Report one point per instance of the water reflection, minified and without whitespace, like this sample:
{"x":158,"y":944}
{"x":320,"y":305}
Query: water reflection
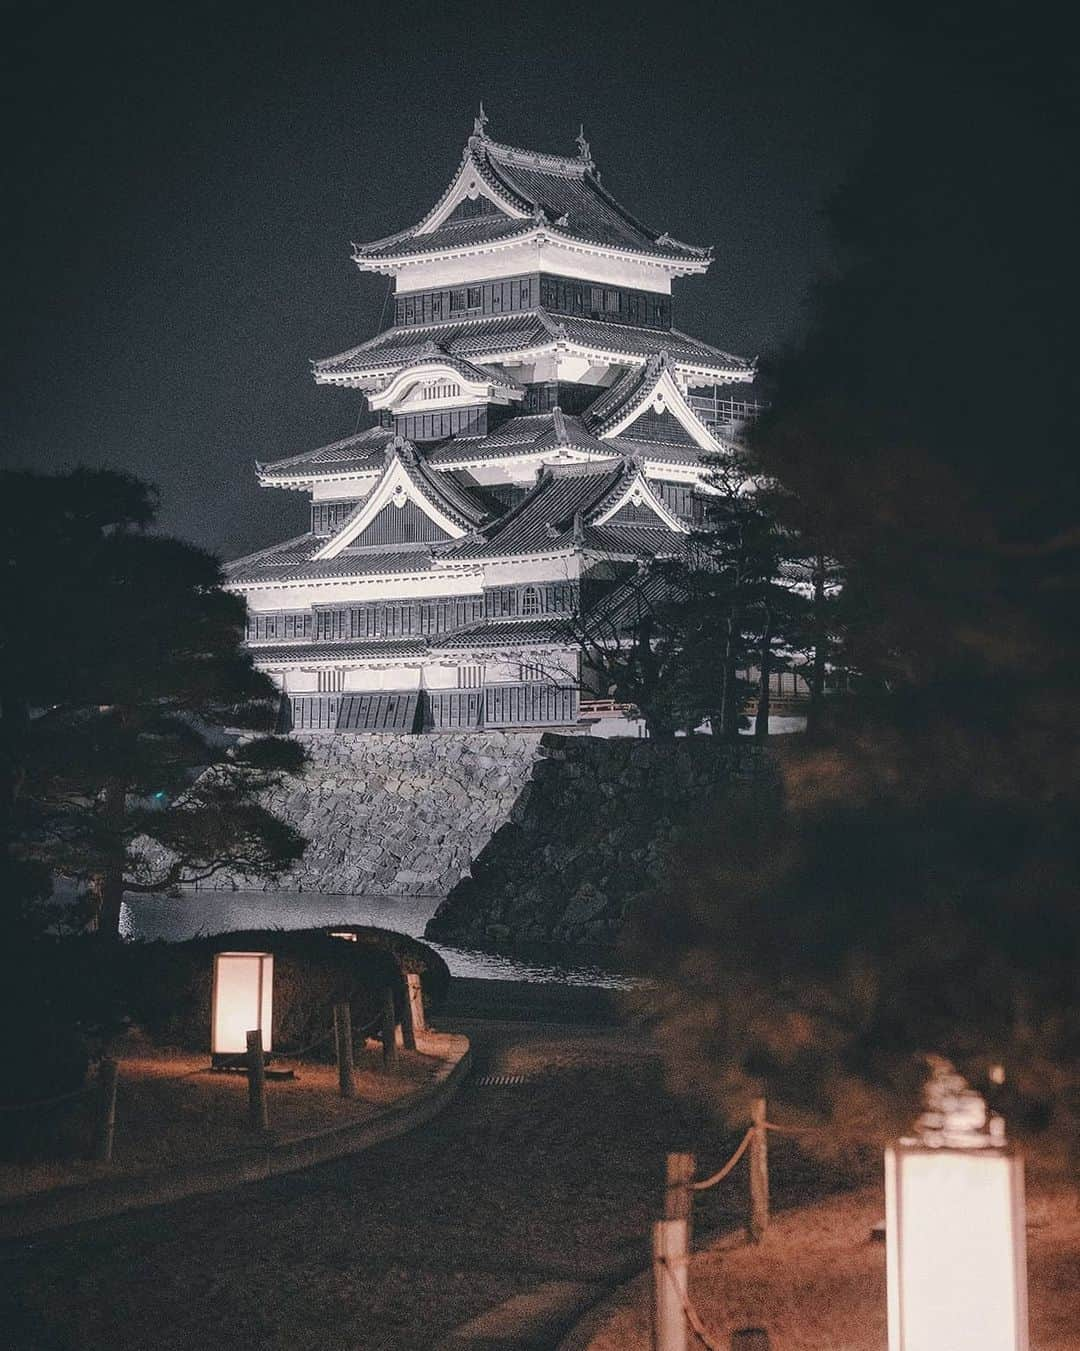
{"x":176,"y":918}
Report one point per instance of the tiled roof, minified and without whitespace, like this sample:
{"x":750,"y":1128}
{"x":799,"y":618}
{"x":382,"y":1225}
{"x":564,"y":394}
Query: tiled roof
{"x":532,"y":433}
{"x":378,"y":648}
{"x":486,"y":339}
{"x":433,"y":351}
{"x":655,"y":450}
{"x":631,"y":394}
{"x":545,"y":519}
{"x":290,"y":562}
{"x":629,"y":601}
{"x":454,"y":235}
{"x":546,"y":629}
{"x":562,"y":194}
{"x":567,"y":430}
{"x":548,"y":519}
{"x":446,"y":491}
{"x":646,"y":541}
{"x":358,"y":454}
{"x":473,"y":339}
{"x":639,"y":342}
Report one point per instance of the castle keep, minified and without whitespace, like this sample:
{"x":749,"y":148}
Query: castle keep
{"x":541,"y":430}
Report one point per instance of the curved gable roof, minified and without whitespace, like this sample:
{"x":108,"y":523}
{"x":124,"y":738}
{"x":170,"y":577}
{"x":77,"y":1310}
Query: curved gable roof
{"x":561,"y":193}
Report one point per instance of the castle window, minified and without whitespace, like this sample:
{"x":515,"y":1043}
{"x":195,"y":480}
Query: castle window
{"x":332,"y":681}
{"x":458,"y":300}
{"x":530,"y":601}
{"x":530,"y":671}
{"x":476,"y":297}
{"x":526,"y":295}
{"x":470,"y":677}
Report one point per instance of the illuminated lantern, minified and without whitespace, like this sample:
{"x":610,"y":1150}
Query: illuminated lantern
{"x":954,"y":1213}
{"x":242,"y":1001}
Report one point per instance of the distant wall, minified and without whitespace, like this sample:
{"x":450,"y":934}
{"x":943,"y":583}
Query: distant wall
{"x":396,"y":815}
{"x":587,"y":839}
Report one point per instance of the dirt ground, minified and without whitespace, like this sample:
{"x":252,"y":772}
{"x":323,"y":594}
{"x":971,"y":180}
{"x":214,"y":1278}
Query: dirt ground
{"x":555,"y":1178}
{"x":818,"y":1281}
{"x":171,"y":1109}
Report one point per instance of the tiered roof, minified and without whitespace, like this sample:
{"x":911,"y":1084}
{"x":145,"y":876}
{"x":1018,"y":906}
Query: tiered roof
{"x":529,"y":192}
{"x":571,"y":508}
{"x":419,"y":514}
{"x":362,"y":453}
{"x":505,"y":337}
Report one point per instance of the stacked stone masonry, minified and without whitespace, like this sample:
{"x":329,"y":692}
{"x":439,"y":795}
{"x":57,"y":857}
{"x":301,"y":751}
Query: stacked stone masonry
{"x":588,"y":839}
{"x":396,"y":815}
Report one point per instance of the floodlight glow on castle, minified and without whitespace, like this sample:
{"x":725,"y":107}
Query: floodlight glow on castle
{"x":541,"y":428}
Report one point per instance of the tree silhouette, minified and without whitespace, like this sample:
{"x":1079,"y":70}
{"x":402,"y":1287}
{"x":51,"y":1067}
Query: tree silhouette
{"x":121,"y":669}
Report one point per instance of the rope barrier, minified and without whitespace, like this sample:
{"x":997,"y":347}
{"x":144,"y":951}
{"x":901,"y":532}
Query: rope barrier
{"x":175,"y":1078}
{"x":697,"y":1327}
{"x":327,"y":1036}
{"x":797,"y":1130}
{"x":707,"y":1182}
{"x":306,"y":1050}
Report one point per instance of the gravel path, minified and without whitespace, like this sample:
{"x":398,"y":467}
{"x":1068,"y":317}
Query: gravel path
{"x":554,"y":1179}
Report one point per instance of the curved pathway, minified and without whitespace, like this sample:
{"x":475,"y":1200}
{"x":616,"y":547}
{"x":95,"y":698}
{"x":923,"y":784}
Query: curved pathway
{"x":544,"y":1188}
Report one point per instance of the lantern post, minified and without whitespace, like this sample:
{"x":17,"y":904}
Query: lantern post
{"x":242,"y":1002}
{"x":954,"y":1215}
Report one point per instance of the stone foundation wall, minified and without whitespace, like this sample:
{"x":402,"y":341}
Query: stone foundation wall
{"x":587,"y":840}
{"x":396,"y":815}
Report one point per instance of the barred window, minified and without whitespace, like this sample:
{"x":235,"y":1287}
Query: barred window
{"x":530,"y":671}
{"x":332,"y":681}
{"x":470,"y":677}
{"x":530,"y":601}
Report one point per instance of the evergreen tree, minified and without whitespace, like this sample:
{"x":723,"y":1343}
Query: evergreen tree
{"x":909,"y":886}
{"x":121,"y":669}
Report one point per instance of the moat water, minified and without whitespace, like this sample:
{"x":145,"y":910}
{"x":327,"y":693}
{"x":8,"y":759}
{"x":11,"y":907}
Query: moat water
{"x":207,"y":912}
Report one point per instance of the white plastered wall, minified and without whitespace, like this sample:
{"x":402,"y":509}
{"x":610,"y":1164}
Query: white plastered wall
{"x":535,"y":256}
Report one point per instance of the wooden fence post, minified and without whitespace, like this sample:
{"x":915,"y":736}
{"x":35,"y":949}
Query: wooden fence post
{"x":413,"y":1022}
{"x":679,"y":1190}
{"x":389,"y":1026}
{"x":669,"y":1251}
{"x":256,"y":1067}
{"x":108,"y":1072}
{"x":759,"y":1172}
{"x":343,"y":1043}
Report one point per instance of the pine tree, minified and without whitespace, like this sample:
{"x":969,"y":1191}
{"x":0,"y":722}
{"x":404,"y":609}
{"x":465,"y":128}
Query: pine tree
{"x":121,"y":673}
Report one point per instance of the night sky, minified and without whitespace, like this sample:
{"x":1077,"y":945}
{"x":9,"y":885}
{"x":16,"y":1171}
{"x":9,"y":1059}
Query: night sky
{"x":187,"y":179}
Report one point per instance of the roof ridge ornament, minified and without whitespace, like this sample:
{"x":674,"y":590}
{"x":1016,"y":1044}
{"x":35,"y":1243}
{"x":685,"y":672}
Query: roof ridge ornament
{"x":584,"y":151}
{"x":400,"y":447}
{"x":480,"y":121}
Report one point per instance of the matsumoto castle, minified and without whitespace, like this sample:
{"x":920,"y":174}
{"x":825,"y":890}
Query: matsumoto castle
{"x":541,"y":428}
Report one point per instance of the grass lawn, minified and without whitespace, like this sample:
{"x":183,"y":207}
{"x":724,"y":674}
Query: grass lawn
{"x":171,"y":1109}
{"x":817,"y":1283}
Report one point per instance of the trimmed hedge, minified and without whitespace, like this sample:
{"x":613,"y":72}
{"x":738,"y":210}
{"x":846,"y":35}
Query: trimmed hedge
{"x":59,"y":998}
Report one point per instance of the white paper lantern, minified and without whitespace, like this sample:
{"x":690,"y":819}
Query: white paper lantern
{"x":957,"y":1265}
{"x":242,"y":1001}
